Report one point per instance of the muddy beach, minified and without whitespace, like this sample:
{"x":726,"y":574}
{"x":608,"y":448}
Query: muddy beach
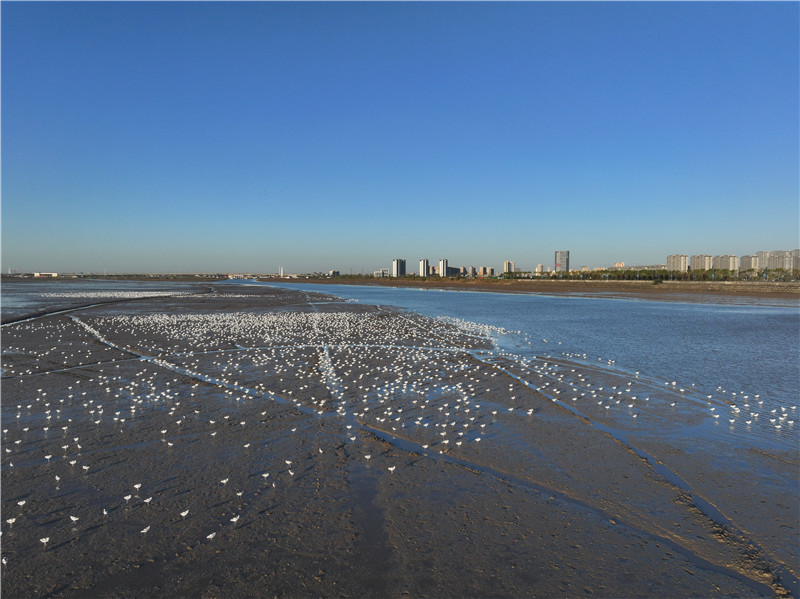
{"x":259,"y":442}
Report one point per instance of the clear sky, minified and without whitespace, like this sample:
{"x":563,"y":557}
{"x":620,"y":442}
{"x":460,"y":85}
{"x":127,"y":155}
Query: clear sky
{"x":216,"y":137}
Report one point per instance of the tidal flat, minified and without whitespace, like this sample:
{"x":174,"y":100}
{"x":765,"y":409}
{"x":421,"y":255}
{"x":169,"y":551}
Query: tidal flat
{"x":253,"y":441}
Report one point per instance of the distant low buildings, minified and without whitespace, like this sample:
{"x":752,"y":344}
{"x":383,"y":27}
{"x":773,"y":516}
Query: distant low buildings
{"x":45,"y":274}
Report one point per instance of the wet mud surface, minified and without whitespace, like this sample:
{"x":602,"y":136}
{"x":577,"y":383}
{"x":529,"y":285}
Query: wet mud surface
{"x":282,"y":443}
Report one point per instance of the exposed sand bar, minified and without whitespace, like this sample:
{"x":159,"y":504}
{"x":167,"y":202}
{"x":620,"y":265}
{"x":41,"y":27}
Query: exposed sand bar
{"x":256,"y":442}
{"x":665,"y":291}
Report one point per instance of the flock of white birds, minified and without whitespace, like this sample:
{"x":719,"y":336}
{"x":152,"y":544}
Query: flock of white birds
{"x":439,"y":383}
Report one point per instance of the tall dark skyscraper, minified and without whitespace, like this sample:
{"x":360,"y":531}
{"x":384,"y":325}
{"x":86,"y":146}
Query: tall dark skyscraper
{"x":562,"y":261}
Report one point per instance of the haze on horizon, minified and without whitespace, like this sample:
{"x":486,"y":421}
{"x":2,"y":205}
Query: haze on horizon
{"x":217,"y":137}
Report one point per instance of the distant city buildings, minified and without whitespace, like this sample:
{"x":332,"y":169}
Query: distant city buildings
{"x":748,"y":263}
{"x":728,"y":262}
{"x":398,"y":267}
{"x":678,"y":262}
{"x":788,"y":260}
{"x":700,"y":262}
{"x":697,"y":266}
{"x":562,"y":261}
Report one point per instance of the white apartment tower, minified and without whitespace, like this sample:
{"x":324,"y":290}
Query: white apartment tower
{"x":726,"y":262}
{"x":423,"y":267}
{"x":443,"y":267}
{"x":509,"y":266}
{"x":701,"y":262}
{"x":398,"y":267}
{"x":679,"y":262}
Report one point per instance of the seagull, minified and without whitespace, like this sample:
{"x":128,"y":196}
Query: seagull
{"x":145,"y":529}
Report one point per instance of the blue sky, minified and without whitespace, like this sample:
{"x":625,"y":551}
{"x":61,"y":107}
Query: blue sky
{"x":206,"y":137}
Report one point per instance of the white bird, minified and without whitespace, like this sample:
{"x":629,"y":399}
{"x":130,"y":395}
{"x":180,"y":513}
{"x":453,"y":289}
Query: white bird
{"x":145,"y":529}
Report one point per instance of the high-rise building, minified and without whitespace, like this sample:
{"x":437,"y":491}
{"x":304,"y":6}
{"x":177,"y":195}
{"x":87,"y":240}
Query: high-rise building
{"x":508,"y":266}
{"x":472,"y":272}
{"x":443,"y":267}
{"x":780,"y":259}
{"x":562,"y":261}
{"x":726,"y":262}
{"x":748,"y":263}
{"x":701,"y":262}
{"x":423,"y":267}
{"x":398,"y":267}
{"x":679,"y":262}
{"x":539,"y":269}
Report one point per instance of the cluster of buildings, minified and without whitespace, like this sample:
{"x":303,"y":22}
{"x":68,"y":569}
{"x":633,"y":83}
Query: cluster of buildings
{"x":788,"y":260}
{"x":443,"y":269}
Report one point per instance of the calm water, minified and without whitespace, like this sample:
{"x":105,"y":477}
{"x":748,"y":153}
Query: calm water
{"x":18,"y":298}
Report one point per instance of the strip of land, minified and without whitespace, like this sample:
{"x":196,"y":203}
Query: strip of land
{"x":665,"y":290}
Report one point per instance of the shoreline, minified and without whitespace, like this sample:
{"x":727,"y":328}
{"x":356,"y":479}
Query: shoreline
{"x":666,"y":291}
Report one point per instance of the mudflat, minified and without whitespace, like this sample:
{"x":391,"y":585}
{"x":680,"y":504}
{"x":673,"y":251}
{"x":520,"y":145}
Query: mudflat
{"x":260,"y":442}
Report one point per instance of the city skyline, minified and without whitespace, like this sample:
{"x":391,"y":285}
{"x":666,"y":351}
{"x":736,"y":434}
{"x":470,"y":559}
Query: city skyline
{"x":758,"y":261}
{"x":212,"y":137}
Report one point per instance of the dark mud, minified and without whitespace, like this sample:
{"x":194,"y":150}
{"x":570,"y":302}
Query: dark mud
{"x":278,"y":443}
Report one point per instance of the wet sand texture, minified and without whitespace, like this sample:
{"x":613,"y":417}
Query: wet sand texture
{"x":280,"y":443}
